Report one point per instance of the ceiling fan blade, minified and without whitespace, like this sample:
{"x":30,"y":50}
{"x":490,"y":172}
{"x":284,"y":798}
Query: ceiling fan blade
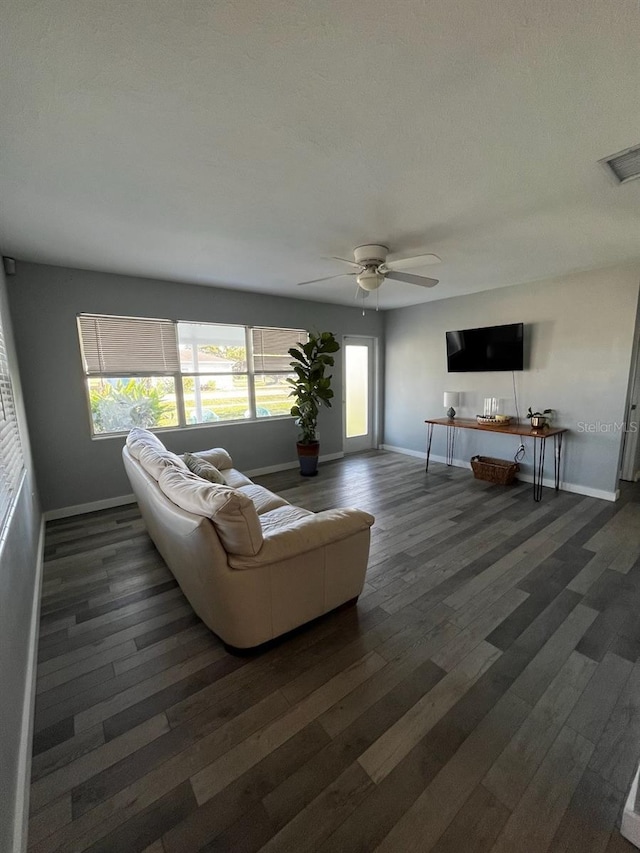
{"x":420,"y":280}
{"x":345,"y":261}
{"x":413,"y":263}
{"x":326,"y":278}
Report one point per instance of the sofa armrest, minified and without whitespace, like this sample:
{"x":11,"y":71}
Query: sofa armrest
{"x":307,"y":534}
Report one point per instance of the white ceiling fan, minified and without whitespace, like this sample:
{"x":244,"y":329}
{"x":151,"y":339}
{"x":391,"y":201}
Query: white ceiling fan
{"x":372,"y":268}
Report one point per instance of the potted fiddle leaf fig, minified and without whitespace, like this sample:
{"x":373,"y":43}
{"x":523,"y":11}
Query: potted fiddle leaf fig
{"x":311,"y":389}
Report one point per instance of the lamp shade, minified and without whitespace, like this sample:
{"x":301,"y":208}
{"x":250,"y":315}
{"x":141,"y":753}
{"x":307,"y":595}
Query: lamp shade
{"x":451,"y":399}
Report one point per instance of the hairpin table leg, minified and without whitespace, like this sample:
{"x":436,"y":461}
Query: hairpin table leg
{"x":557,"y":456}
{"x":429,"y":437}
{"x":451,"y":440}
{"x":538,"y":466}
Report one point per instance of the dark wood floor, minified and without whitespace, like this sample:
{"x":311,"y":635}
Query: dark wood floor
{"x":483,"y":696}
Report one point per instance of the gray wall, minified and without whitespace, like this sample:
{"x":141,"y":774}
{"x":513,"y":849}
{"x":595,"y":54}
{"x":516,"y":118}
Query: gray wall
{"x":72,"y":468}
{"x":634,"y":395}
{"x":579,"y":335}
{"x":634,"y":417}
{"x":18,"y":594}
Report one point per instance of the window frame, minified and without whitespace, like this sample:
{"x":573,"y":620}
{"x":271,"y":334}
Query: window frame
{"x":178,"y":376}
{"x":12,"y":463}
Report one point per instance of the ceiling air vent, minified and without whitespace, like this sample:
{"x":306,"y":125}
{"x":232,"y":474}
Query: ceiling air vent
{"x":625,"y":165}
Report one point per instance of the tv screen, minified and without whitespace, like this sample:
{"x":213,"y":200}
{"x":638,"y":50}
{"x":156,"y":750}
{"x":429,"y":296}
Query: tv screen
{"x":489,"y":348}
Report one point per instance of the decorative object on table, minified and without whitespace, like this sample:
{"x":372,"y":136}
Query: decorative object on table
{"x":538,"y":419}
{"x":451,"y":399}
{"x":491,"y":406}
{"x":499,"y":471}
{"x":311,"y":388}
{"x":494,"y":420}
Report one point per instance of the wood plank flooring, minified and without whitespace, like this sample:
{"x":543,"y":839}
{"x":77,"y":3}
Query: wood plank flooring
{"x":483,"y":697}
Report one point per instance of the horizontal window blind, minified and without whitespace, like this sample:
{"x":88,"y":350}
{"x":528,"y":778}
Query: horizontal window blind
{"x":271,"y":348}
{"x":11,"y":458}
{"x":127,"y":345}
{"x":169,"y":374}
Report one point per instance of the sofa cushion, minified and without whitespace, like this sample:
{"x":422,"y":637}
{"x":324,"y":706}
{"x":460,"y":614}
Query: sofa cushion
{"x":281,"y":518}
{"x":217,"y":456}
{"x":232,"y":513}
{"x":262,"y":498}
{"x":139,"y":438}
{"x":235,"y":478}
{"x":154,"y":461}
{"x":203,"y":469}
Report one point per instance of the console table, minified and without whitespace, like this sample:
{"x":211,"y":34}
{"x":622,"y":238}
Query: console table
{"x":539,"y":437}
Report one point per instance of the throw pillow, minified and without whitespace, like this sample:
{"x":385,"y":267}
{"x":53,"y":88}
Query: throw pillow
{"x":203,"y":469}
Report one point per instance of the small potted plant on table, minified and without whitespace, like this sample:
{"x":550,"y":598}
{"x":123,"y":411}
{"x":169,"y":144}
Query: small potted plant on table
{"x":538,"y":419}
{"x":311,"y":388}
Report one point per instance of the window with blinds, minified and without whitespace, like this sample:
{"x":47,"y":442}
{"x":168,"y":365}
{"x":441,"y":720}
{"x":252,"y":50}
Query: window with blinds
{"x":127,"y":345}
{"x":271,"y":348}
{"x":271,"y":365}
{"x":164,"y":374}
{"x":11,"y":459}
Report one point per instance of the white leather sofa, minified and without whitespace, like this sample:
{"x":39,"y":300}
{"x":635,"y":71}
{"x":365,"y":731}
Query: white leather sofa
{"x":251,"y":565}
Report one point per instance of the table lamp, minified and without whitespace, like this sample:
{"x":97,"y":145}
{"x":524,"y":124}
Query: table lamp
{"x":451,"y":399}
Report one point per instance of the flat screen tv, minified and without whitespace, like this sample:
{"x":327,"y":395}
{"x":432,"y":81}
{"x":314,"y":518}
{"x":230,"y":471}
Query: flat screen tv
{"x":489,"y":348}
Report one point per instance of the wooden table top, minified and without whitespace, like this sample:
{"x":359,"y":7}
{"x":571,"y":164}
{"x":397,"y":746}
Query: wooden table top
{"x":508,"y":429}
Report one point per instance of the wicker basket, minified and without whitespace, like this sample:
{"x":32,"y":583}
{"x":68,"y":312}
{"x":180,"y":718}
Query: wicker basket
{"x":491,"y":420}
{"x":500,"y":471}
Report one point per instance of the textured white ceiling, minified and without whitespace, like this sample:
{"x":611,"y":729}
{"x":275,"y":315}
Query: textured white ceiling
{"x":240,"y":143}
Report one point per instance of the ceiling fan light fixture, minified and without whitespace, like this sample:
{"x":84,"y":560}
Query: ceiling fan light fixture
{"x":370,"y":279}
{"x":372,"y":270}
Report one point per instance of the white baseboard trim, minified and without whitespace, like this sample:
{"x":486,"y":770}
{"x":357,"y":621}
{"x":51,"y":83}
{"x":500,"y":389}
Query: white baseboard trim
{"x":630,"y":825}
{"x":419,"y":454}
{"x":92,"y":506}
{"x":23,"y":786}
{"x":123,"y":500}
{"x":288,"y":466}
{"x":575,"y":488}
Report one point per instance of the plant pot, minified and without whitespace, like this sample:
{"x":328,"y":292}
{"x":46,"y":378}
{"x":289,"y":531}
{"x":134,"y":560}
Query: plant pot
{"x":538,"y":422}
{"x":308,"y":458}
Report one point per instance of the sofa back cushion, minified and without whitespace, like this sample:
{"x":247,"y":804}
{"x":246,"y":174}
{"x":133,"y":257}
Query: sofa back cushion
{"x":217,"y":456}
{"x":155,"y":461}
{"x":139,"y":438}
{"x":233,"y":514}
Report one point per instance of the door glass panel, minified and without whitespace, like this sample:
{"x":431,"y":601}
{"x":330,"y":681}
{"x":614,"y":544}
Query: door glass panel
{"x":357,"y":390}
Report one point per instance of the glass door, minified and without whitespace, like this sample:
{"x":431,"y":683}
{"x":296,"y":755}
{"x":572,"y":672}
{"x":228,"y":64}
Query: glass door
{"x":359,"y":394}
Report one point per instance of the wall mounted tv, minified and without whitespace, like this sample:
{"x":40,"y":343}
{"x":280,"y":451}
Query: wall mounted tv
{"x":489,"y":348}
